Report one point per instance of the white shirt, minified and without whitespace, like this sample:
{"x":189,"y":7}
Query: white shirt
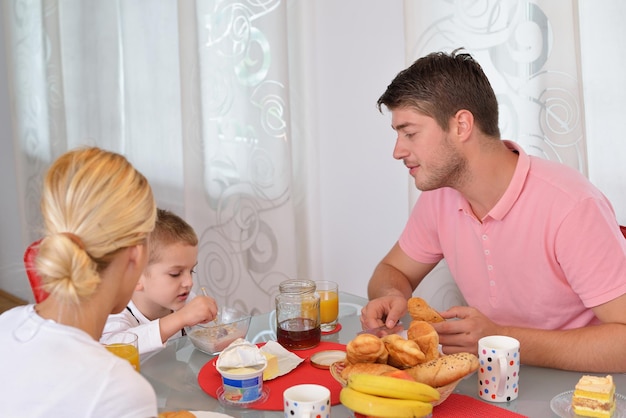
{"x":54,"y":370}
{"x":148,"y":332}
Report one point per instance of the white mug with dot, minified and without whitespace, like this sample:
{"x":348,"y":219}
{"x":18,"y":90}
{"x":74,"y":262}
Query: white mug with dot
{"x":306,"y":401}
{"x":498,"y":372}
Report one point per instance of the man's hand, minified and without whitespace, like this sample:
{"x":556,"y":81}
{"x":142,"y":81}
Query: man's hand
{"x":385,"y":310}
{"x":463,"y":327}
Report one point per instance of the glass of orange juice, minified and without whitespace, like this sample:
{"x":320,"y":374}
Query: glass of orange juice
{"x":329,"y":304}
{"x":123,"y":344}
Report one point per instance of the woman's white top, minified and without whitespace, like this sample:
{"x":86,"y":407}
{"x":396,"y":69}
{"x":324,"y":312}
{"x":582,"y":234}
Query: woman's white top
{"x":54,"y":370}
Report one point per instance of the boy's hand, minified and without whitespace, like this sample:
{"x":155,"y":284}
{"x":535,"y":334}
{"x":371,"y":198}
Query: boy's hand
{"x":199,"y":310}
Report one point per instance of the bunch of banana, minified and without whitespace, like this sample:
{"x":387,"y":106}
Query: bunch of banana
{"x":386,"y":396}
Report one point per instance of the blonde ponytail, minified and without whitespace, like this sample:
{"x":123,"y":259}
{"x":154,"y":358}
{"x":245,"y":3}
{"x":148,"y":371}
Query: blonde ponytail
{"x":93,"y":203}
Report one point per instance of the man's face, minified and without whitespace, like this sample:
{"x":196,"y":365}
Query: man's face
{"x":168,"y":281}
{"x":429,"y":152}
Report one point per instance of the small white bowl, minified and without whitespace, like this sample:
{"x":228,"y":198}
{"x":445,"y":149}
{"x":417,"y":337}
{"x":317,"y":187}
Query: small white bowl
{"x":214,"y":336}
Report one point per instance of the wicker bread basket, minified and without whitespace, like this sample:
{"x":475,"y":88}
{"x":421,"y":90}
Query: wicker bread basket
{"x":444,"y":391}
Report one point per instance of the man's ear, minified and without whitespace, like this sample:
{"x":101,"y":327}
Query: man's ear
{"x":464,"y":124}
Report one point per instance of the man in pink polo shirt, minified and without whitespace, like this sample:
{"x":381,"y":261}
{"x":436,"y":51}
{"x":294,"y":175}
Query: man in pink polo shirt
{"x":533,"y":246}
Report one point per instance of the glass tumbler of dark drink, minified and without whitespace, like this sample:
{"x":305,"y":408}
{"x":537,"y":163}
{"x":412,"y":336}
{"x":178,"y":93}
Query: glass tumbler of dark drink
{"x":298,"y":315}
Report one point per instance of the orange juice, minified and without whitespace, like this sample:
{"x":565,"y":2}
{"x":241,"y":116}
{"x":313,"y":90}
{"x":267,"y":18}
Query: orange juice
{"x":329,"y":306}
{"x":125,"y":351}
{"x":309,"y":309}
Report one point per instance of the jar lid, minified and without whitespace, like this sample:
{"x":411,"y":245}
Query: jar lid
{"x":323,"y":359}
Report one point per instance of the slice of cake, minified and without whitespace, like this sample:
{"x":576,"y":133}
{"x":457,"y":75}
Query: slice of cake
{"x":594,"y":397}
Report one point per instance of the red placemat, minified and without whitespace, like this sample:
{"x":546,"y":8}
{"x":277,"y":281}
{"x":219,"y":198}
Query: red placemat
{"x":336,"y":330}
{"x":210,"y":380}
{"x":467,"y":407}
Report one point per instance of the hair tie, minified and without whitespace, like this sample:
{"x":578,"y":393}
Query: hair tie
{"x":75,"y":239}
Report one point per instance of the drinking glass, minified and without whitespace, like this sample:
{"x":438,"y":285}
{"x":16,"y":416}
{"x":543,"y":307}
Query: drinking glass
{"x":123,"y":344}
{"x":329,"y":304}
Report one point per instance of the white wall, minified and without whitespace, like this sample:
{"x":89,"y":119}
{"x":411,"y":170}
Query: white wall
{"x":11,"y":244}
{"x":363,"y":191}
{"x":604,"y":86}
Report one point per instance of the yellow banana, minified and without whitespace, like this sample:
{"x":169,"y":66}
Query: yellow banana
{"x":392,"y":387}
{"x":378,"y":406}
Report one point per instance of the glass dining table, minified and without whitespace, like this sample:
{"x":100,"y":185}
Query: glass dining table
{"x":173,"y":372}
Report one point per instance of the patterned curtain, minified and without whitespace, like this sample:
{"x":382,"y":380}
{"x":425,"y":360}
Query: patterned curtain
{"x":529,"y":50}
{"x":194,"y":93}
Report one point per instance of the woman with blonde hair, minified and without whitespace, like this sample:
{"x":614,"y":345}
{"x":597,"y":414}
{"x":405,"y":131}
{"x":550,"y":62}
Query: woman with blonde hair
{"x":97,"y":211}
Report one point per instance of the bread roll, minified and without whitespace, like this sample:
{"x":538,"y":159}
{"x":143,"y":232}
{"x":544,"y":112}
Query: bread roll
{"x":426,"y":338}
{"x":176,"y":414}
{"x":366,"y":348}
{"x":366,"y":368}
{"x":444,"y":370}
{"x":402,"y":353}
{"x":420,"y":311}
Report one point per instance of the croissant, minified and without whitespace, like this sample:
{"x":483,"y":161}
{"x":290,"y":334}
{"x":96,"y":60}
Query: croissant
{"x":425,"y":336}
{"x":420,"y":310}
{"x":402,"y":353}
{"x":366,"y":368}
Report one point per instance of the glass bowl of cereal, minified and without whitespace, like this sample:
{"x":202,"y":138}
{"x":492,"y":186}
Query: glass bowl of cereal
{"x":212,"y":337}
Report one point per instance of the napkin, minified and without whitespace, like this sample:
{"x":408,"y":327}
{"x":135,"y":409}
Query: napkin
{"x":287,"y":361}
{"x":240,"y":353}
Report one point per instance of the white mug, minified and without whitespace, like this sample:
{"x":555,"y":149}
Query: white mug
{"x":498,"y":373}
{"x":307,"y":401}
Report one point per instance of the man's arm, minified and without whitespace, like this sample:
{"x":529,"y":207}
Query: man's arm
{"x":391,"y":284}
{"x":595,"y":348}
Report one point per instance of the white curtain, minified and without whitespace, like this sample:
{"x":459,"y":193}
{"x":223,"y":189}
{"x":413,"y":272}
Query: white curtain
{"x":195,"y":94}
{"x":216,"y":103}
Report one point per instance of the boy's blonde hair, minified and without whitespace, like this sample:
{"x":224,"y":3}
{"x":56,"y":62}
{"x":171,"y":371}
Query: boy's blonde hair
{"x":94,"y":202}
{"x":169,"y":229}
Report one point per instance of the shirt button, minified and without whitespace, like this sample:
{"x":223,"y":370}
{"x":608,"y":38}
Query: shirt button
{"x":492,"y":283}
{"x":485,"y":237}
{"x":487,"y":252}
{"x":489,"y":267}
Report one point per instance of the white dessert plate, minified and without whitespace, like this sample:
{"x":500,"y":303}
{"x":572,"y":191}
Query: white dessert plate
{"x":561,"y":405}
{"x":209,"y":414}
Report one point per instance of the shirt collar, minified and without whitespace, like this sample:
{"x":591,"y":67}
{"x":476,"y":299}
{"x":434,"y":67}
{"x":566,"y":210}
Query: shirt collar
{"x":514,"y":189}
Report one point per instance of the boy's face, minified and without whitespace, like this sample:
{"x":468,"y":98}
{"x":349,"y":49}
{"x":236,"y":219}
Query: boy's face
{"x":168,"y":281}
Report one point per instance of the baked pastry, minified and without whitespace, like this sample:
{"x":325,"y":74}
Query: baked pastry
{"x":445,"y":369}
{"x":402,"y":353}
{"x":176,"y":414}
{"x":366,"y":348}
{"x":426,"y":338}
{"x":420,"y":311}
{"x":594,"y":397}
{"x":366,"y":368}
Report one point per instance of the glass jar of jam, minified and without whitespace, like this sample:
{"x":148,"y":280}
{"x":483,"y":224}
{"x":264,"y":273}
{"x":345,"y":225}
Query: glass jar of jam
{"x":298,"y":315}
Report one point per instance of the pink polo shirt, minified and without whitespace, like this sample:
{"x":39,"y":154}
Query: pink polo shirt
{"x":549,"y":250}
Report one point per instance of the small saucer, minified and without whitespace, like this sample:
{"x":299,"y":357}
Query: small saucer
{"x":265,"y":394}
{"x":333,"y":331}
{"x":561,"y":405}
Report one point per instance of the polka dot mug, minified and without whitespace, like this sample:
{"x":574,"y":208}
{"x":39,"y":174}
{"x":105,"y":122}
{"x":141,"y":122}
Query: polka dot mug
{"x":498,"y":373}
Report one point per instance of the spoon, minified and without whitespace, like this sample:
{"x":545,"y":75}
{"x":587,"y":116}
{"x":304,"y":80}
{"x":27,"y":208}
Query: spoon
{"x":204,"y":292}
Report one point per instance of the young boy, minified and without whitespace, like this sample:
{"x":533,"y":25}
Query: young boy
{"x":162,"y":303}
